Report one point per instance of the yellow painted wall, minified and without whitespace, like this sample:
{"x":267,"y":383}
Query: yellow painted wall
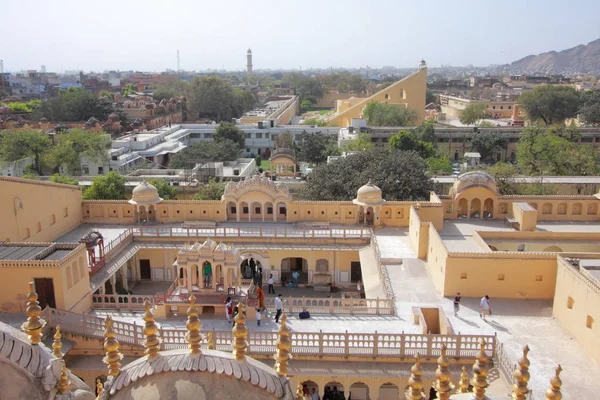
{"x":437,"y":254}
{"x":573,"y":315}
{"x":35,"y":211}
{"x":408,"y":92}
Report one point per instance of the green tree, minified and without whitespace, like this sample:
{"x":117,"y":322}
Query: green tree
{"x":314,"y":122}
{"x":165,"y":191}
{"x":487,"y":144}
{"x":223,"y":150}
{"x":439,"y":166}
{"x":551,"y":104}
{"x":316,"y":147}
{"x":169,"y":86}
{"x":74,"y":104}
{"x":589,"y":110}
{"x":401,"y":175}
{"x":362,"y":141}
{"x":554,"y":152}
{"x":108,"y":187}
{"x":305,"y":105}
{"x":77,"y":143}
{"x":409,"y":141}
{"x":244,"y":100}
{"x":213,"y":190}
{"x":426,"y":131}
{"x":106,"y":93}
{"x":31,"y":175}
{"x":430,"y":97}
{"x":382,"y":114}
{"x":284,"y":140}
{"x":473,"y":113}
{"x":229,"y":131}
{"x":64,"y":179}
{"x":211,"y":97}
{"x":18,"y":144}
{"x":504,"y":174}
{"x":129,"y":89}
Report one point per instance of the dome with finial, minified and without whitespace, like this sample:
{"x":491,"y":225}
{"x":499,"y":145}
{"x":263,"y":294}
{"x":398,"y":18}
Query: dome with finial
{"x":471,"y":180}
{"x":368,"y":195}
{"x":145,"y":193}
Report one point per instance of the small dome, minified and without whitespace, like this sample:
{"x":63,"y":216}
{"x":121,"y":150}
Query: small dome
{"x":369,"y":194}
{"x":113,"y":117}
{"x":473,"y":179}
{"x":145,"y":193}
{"x":44,"y":120}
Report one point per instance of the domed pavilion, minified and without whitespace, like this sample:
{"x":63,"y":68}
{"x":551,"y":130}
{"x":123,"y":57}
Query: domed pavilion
{"x":369,"y":199}
{"x":145,"y":197}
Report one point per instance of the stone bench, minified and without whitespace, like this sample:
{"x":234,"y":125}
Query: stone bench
{"x":198,"y":224}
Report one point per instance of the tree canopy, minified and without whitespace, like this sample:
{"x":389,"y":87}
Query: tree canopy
{"x":75,"y":104}
{"x":108,"y":187}
{"x":361,"y":142}
{"x":473,"y":113}
{"x":18,"y":144}
{"x":213,"y":190}
{"x":165,"y":191}
{"x":223,"y":150}
{"x":409,"y":141}
{"x":229,"y":131}
{"x":504,"y":174}
{"x":551,"y":104}
{"x":382,"y":114}
{"x":74,"y":144}
{"x":589,"y":110}
{"x":487,"y":144}
{"x":401,"y":175}
{"x":316,"y":147}
{"x":215,"y":98}
{"x":64,"y":179}
{"x":554,"y":152}
{"x":439,"y":166}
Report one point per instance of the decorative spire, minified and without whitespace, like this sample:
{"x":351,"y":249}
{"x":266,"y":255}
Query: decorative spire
{"x":442,"y":374}
{"x":415,"y":382}
{"x":211,"y":341}
{"x":240,"y":333}
{"x":553,"y":393}
{"x":99,"y":388}
{"x":57,"y":344}
{"x":521,"y":376}
{"x":63,"y":381}
{"x":193,"y":326}
{"x":111,"y":347}
{"x":34,"y":324}
{"x":480,"y":372}
{"x":152,"y":341}
{"x":299,"y":392}
{"x":284,"y":345}
{"x":463,"y":384}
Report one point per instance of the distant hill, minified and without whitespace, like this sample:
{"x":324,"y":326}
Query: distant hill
{"x":577,"y":59}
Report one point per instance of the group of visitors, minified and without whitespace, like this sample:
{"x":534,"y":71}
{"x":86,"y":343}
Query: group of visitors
{"x":484,"y":306}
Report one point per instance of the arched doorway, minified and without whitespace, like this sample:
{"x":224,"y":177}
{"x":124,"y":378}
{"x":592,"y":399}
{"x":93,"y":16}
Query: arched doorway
{"x":291,"y":265}
{"x":389,"y":391}
{"x":488,"y":208}
{"x":333,"y":388}
{"x":310,"y":385}
{"x":142,"y":215}
{"x":370,"y":217}
{"x":269,"y":212}
{"x":207,"y":274}
{"x":244,"y":211}
{"x":231,"y":211}
{"x":463,"y":208}
{"x":359,"y":391}
{"x":151,"y":213}
{"x":281,"y":212}
{"x":251,"y":269}
{"x":475,"y":208}
{"x":256,"y":211}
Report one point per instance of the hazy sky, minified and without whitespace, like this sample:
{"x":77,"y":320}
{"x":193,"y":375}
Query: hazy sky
{"x":145,"y":35}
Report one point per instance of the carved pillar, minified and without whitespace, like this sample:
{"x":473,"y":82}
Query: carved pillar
{"x":113,"y":283}
{"x":103,"y":288}
{"x":237,"y":212}
{"x":124,"y":277}
{"x":188,"y":270}
{"x":262,"y":208}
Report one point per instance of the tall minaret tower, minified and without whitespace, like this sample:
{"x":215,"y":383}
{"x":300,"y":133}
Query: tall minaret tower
{"x":249,"y":64}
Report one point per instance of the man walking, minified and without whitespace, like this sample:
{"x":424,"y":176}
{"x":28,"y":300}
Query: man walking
{"x":456,"y":304}
{"x":271,"y":282}
{"x":278,"y":308}
{"x":484,"y":306}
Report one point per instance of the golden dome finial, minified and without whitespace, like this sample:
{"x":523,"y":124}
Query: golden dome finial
{"x":211,"y":341}
{"x":34,"y":324}
{"x":152,"y":341}
{"x":442,"y":374}
{"x":554,"y":393}
{"x":463,"y":384}
{"x":57,"y":344}
{"x":99,"y":388}
{"x":299,"y":392}
{"x":240,"y":333}
{"x":480,"y":372}
{"x":415,"y":382}
{"x":284,"y":345}
{"x":521,"y":375}
{"x":111,"y":347}
{"x":193,"y":326}
{"x":63,"y":381}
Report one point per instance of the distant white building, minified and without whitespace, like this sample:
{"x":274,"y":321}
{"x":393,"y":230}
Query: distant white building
{"x":16,"y":168}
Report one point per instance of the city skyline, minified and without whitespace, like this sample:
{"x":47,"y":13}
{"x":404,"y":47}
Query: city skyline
{"x":213,"y":36}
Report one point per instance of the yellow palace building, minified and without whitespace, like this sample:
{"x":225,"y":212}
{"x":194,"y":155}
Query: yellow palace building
{"x":377,"y":277}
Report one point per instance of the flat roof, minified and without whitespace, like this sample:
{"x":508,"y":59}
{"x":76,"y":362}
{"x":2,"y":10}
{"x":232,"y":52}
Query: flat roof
{"x":25,"y":252}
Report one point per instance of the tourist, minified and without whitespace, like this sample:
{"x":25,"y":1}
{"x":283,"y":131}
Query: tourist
{"x":271,"y":282}
{"x":456,"y":304}
{"x":484,"y":306}
{"x":314,"y":395}
{"x":236,"y":311}
{"x":258,"y":317}
{"x":432,"y":393}
{"x":295,"y":276}
{"x":261,"y":298}
{"x":305,"y":391}
{"x":278,"y":307}
{"x":207,"y":274}
{"x":228,"y":309}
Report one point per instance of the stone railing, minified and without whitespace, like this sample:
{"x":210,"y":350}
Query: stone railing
{"x":383,"y":275}
{"x":317,"y":344}
{"x":506,"y":366}
{"x":120,"y":301}
{"x":316,"y":305}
